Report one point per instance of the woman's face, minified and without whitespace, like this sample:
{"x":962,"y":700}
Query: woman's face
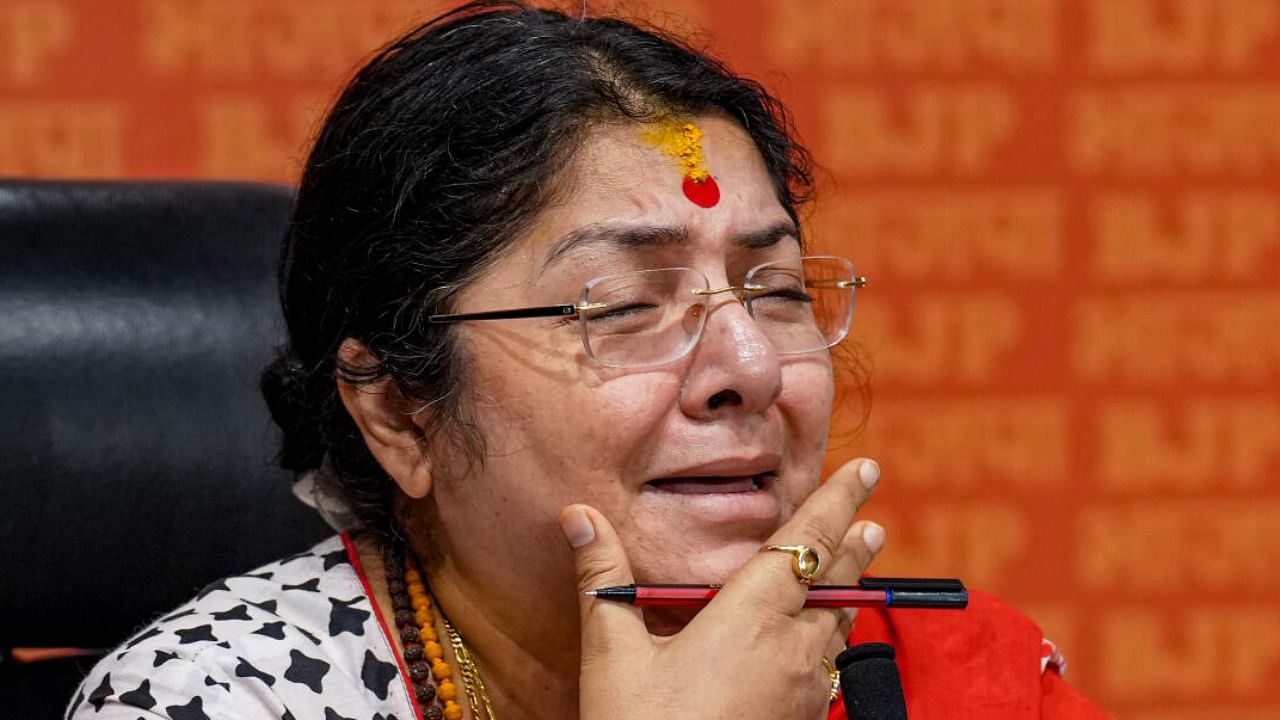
{"x":695,"y":462}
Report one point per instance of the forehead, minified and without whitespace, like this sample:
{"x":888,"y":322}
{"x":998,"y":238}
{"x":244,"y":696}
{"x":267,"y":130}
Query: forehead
{"x":632,"y":159}
{"x":621,"y":176}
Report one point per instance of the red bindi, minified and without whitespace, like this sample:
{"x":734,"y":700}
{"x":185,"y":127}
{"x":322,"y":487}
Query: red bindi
{"x":704,"y":193}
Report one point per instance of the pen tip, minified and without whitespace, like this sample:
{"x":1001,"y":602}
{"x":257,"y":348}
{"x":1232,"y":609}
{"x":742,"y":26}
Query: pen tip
{"x":592,"y":593}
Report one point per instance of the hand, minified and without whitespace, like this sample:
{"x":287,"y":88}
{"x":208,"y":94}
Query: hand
{"x":754,"y":652}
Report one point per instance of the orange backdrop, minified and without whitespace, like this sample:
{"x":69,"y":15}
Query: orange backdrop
{"x":1070,"y":212}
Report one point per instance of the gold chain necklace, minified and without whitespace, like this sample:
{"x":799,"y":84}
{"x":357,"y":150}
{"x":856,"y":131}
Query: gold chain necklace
{"x":472,"y":683}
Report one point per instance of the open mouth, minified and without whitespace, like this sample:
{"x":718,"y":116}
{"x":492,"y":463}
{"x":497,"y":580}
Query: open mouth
{"x":713,"y":484}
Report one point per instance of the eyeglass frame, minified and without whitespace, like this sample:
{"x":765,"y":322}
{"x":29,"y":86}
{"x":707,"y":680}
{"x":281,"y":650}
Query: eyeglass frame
{"x":577,"y":309}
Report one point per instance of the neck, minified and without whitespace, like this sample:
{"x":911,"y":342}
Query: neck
{"x":527,"y":654}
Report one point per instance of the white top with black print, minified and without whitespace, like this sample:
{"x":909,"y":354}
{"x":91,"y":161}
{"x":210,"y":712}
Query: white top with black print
{"x":297,"y":638}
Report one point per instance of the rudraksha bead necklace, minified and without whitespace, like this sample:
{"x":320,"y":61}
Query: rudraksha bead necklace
{"x":416,"y":626}
{"x":430,"y":675}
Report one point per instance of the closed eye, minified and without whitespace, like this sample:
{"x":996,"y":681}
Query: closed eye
{"x":795,"y":294}
{"x":619,"y":312}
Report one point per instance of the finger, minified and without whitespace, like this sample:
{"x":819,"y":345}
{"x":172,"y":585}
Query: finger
{"x":821,"y":523}
{"x":824,"y":520}
{"x":827,"y":682}
{"x":861,"y":545}
{"x":600,"y":561}
{"x":836,"y":646}
{"x":859,"y":548}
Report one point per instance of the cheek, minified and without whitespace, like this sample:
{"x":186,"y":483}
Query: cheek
{"x":553,"y":417}
{"x":806,"y":402}
{"x":808,"y":391}
{"x":620,"y":419}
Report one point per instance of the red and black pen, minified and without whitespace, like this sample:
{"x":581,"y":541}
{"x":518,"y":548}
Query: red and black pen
{"x":938,"y":593}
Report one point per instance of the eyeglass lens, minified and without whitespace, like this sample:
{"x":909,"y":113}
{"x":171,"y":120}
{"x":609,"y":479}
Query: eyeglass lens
{"x":650,"y":317}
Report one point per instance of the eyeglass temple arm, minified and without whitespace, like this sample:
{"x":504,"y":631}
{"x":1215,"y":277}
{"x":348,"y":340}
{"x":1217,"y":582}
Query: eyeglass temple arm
{"x":572,"y":309}
{"x":515,"y":313}
{"x":857,"y":282}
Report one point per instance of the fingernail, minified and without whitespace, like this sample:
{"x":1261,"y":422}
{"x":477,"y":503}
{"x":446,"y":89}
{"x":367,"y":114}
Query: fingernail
{"x":869,"y":473}
{"x":577,"y":527}
{"x":873,"y":537}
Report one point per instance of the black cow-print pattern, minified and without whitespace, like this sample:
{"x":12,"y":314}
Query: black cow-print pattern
{"x":294,"y":639}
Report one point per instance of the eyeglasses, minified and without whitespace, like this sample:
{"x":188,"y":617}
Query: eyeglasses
{"x":646,"y":318}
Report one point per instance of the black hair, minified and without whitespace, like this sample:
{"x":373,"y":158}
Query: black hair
{"x":431,"y":162}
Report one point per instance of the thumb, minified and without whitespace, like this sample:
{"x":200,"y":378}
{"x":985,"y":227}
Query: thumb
{"x":600,"y":562}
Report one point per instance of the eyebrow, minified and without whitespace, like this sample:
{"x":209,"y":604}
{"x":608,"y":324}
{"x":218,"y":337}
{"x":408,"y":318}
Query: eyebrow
{"x":628,"y":236}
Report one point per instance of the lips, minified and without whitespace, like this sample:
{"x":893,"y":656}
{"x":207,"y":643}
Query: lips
{"x":732,"y":495}
{"x":712,"y":484}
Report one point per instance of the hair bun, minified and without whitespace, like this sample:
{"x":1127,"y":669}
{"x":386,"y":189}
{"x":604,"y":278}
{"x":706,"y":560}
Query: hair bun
{"x":284,"y":386}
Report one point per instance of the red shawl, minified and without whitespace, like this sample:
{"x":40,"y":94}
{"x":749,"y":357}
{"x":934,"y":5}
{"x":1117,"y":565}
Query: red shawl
{"x":986,"y":662}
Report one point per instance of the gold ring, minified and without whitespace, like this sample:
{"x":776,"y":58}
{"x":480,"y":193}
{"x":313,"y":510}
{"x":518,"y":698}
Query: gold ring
{"x":804,"y":560}
{"x":834,"y":675}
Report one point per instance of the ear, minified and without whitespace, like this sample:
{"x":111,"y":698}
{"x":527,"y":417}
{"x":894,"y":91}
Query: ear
{"x":386,"y":420}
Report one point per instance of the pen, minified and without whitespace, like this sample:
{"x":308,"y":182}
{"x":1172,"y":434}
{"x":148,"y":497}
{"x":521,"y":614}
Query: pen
{"x":938,"y":593}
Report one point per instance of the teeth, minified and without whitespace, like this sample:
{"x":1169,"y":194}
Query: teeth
{"x":757,"y":479}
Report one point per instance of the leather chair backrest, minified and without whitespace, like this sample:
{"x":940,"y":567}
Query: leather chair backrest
{"x":136,"y":454}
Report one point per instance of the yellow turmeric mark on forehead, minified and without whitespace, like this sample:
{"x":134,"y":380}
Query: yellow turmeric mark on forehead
{"x":683,"y":141}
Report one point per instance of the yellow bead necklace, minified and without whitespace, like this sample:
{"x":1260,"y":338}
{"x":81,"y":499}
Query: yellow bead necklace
{"x":446,"y":691}
{"x":420,"y":602}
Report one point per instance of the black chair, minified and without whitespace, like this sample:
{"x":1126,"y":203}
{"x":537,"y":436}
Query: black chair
{"x":136,"y":455}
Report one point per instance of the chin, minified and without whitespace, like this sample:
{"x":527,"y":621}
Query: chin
{"x":664,"y":622}
{"x":694,"y":562}
{"x":699,"y":566}
{"x":719,"y":567}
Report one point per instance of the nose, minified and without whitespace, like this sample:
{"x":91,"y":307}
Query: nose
{"x":733,"y":369}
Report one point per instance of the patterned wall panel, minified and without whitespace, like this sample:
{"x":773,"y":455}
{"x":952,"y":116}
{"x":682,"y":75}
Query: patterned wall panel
{"x":1070,"y":211}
